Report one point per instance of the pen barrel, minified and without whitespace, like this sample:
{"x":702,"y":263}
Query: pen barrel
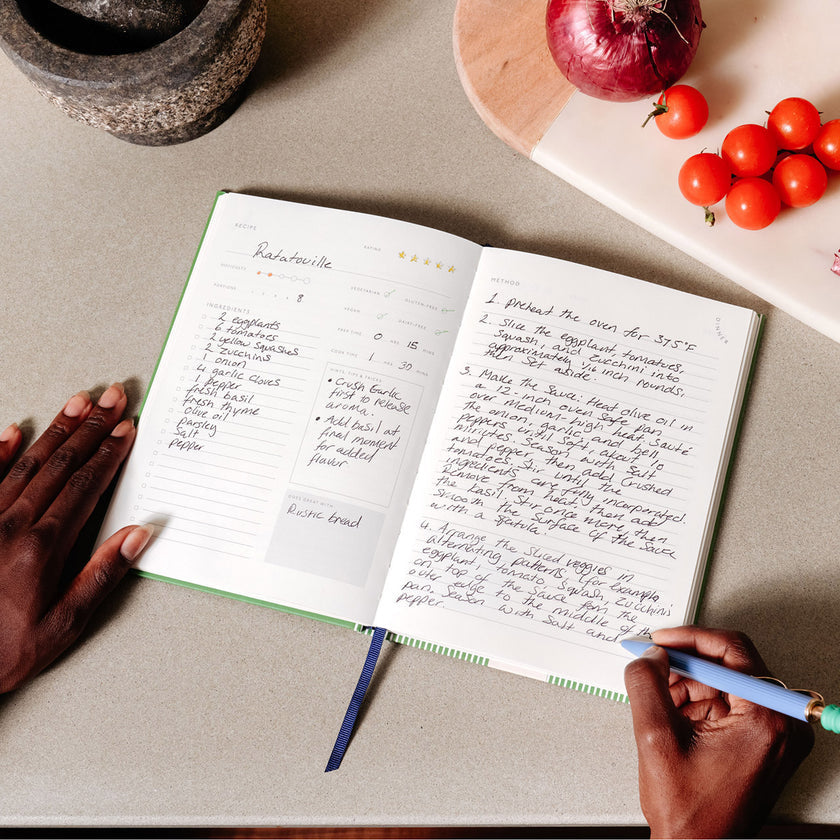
{"x":756,"y":690}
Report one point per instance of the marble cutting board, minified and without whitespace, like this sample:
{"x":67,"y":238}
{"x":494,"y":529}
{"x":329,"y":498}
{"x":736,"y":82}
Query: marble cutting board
{"x":752,"y":54}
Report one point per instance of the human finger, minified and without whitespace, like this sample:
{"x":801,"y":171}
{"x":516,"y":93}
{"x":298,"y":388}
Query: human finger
{"x":10,"y":440}
{"x":711,"y":708}
{"x":69,"y":462}
{"x":108,"y":565}
{"x":726,"y":647}
{"x":62,"y":522}
{"x":685,"y":690}
{"x":74,"y":413}
{"x":654,"y":715}
{"x":729,"y":648}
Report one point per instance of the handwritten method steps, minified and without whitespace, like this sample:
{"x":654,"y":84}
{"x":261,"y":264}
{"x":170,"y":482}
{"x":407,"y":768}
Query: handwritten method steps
{"x":378,"y":423}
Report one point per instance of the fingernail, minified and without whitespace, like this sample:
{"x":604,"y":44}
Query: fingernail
{"x":77,"y":404}
{"x":652,"y":652}
{"x":123,"y":428}
{"x":9,"y":432}
{"x":136,"y":541}
{"x":112,"y":396}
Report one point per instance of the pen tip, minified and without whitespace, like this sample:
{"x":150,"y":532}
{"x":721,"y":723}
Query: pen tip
{"x":636,"y":644}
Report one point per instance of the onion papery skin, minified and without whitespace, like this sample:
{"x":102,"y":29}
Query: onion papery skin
{"x":623,"y":50}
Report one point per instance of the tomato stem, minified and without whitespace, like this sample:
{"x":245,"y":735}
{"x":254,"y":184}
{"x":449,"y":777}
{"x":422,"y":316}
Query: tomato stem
{"x":709,"y":217}
{"x":658,"y":109}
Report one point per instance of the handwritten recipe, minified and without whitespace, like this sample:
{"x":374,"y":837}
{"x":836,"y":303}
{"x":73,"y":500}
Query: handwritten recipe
{"x":560,"y":495}
{"x":487,"y":450}
{"x":289,"y":409}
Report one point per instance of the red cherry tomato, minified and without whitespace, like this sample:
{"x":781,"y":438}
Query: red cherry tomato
{"x":800,"y":180}
{"x":704,"y":180}
{"x":749,"y":150}
{"x":794,"y":123}
{"x":827,"y":144}
{"x":752,"y":203}
{"x":680,"y":112}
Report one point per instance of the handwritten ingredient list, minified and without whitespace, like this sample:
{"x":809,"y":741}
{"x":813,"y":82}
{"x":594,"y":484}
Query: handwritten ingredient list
{"x":273,"y":446}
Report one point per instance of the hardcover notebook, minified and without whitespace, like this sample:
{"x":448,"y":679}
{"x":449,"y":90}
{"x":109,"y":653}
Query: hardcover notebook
{"x":499,"y":455}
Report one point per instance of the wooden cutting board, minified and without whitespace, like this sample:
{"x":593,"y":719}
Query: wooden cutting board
{"x":752,"y":54}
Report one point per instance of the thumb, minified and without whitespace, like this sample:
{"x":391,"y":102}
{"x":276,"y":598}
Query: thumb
{"x":100,"y":575}
{"x":655,"y":718}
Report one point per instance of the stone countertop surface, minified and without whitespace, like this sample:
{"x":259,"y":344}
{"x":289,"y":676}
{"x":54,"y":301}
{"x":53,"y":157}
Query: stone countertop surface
{"x":184,"y":708}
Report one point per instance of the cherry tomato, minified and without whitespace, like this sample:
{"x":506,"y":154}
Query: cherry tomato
{"x":794,"y":123}
{"x":827,"y":144}
{"x":680,"y":112}
{"x":704,"y":180}
{"x":752,"y":203}
{"x":800,"y":180}
{"x":749,"y":150}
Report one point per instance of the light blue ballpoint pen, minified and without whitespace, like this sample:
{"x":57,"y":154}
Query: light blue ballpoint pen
{"x":795,"y":704}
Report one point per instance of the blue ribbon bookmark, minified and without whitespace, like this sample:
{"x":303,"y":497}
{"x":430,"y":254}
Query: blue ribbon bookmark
{"x":356,"y":700}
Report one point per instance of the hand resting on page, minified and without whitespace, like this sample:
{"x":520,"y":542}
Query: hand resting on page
{"x":46,"y":497}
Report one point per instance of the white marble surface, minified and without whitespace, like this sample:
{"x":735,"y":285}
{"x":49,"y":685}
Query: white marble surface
{"x":181,"y":708}
{"x":752,"y":54}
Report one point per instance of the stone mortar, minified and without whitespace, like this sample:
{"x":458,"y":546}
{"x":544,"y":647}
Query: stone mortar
{"x":167,"y":93}
{"x":148,"y":21}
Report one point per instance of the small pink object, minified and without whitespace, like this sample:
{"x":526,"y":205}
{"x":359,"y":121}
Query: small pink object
{"x":836,"y":267}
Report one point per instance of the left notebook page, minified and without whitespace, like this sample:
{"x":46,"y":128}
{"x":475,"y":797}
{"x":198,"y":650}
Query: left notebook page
{"x":282,"y":430}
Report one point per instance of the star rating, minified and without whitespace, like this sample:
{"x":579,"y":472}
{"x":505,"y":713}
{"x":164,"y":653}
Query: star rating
{"x":426,"y":261}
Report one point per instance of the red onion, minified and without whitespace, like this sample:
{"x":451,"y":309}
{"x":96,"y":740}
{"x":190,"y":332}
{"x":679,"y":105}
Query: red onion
{"x":623,"y":49}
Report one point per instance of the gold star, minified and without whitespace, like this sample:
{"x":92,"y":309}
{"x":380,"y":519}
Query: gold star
{"x":414,"y":258}
{"x":402,"y":255}
{"x":439,"y":265}
{"x":451,"y":269}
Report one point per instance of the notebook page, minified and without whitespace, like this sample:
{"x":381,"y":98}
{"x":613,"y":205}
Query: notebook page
{"x":565,"y":498}
{"x":282,"y":430}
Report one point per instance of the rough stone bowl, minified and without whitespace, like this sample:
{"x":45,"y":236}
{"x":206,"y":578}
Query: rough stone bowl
{"x":153,"y":94}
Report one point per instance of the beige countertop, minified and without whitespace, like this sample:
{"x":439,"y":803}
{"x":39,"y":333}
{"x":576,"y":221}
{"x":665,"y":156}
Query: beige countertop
{"x":184,"y":708}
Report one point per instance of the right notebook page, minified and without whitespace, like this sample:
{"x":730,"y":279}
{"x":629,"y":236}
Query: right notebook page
{"x":569,"y":488}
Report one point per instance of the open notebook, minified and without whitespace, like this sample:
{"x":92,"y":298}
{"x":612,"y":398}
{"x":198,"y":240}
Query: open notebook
{"x":503,"y":456}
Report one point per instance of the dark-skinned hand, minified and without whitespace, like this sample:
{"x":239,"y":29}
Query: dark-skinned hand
{"x":710,"y":764}
{"x":46,"y":497}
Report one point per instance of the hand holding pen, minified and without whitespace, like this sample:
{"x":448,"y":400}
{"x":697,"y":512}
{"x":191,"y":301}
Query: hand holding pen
{"x":708,"y":766}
